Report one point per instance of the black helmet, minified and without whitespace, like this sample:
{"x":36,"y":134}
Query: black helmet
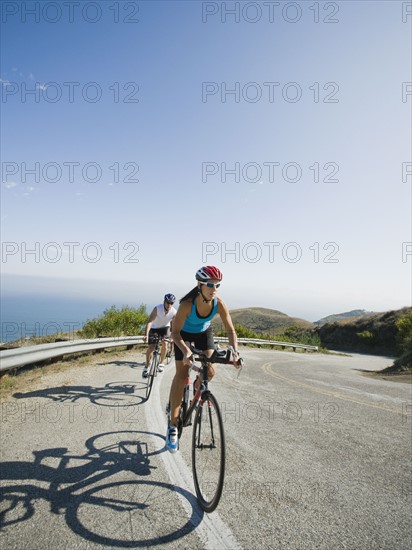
{"x":170,"y":298}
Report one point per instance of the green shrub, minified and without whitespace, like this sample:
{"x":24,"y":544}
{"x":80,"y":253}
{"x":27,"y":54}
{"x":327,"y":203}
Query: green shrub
{"x":299,"y":336}
{"x":126,"y":321}
{"x":404,"y":326}
{"x":366,"y":336}
{"x":404,"y":339}
{"x":291,"y":334}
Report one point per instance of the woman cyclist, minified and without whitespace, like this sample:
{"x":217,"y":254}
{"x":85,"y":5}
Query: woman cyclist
{"x":192,"y":324}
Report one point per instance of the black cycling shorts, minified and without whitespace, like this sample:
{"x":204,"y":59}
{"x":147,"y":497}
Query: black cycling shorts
{"x":201,"y":340}
{"x":164,"y":331}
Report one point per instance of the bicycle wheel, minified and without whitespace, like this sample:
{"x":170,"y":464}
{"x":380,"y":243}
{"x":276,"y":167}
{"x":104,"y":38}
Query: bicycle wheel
{"x":208,"y":453}
{"x":151,"y":375}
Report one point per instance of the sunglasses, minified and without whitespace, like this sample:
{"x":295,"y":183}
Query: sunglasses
{"x":210,"y":285}
{"x":170,"y":303}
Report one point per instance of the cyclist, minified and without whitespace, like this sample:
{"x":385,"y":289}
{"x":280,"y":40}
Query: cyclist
{"x":192,"y":324}
{"x":159,"y":322}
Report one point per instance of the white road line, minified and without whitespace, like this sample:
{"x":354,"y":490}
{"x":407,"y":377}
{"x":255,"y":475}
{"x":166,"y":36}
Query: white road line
{"x":211,"y":530}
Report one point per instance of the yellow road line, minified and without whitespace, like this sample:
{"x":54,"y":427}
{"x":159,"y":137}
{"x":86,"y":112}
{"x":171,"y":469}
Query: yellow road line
{"x":268,"y":370}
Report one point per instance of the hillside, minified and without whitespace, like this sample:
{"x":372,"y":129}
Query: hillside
{"x":375,"y":333}
{"x":353,"y":315}
{"x":260,"y":319}
{"x":355,"y":331}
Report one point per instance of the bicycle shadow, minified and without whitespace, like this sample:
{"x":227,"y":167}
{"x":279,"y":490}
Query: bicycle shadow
{"x":131,"y":364}
{"x":113,"y":394}
{"x":131,"y":507}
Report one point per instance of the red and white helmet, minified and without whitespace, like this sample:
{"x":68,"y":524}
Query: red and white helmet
{"x":209,"y":272}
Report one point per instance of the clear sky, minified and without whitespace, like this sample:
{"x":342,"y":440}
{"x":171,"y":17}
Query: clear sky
{"x":272,"y":139}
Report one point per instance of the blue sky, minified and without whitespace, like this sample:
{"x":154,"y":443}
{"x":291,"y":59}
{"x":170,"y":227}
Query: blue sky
{"x":316,"y":102}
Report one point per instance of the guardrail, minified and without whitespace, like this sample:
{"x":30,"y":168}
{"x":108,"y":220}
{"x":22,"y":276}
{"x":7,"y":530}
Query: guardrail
{"x":260,"y":342}
{"x":20,"y":357}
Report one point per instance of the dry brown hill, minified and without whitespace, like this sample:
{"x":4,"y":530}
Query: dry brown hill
{"x":261,"y":319}
{"x":348,"y":316}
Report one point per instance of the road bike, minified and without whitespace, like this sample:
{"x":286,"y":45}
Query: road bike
{"x":155,"y":360}
{"x":208,"y":438}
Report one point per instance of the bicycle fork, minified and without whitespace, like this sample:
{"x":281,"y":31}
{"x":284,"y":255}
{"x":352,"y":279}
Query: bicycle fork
{"x":205,"y":410}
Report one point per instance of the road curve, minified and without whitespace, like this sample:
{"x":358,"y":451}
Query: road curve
{"x":318,"y":456}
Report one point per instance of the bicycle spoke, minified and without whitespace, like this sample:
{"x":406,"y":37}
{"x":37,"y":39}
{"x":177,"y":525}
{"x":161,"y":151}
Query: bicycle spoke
{"x":208,"y":454}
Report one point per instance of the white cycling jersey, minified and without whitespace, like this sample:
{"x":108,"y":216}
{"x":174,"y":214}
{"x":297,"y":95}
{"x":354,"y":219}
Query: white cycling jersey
{"x":162,"y":318}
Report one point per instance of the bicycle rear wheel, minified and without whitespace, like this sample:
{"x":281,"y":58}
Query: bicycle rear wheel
{"x":152,"y":373}
{"x":208,"y":453}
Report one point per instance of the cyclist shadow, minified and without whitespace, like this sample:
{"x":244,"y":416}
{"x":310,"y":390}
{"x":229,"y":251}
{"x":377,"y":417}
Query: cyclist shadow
{"x":114,"y":394}
{"x":111,"y":480}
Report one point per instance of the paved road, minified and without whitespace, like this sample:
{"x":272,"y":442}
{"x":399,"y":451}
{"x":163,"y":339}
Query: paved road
{"x":319,"y":456}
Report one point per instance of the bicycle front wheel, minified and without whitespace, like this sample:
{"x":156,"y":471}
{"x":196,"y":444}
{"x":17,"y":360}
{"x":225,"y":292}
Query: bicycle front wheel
{"x":208,"y":453}
{"x":151,"y":375}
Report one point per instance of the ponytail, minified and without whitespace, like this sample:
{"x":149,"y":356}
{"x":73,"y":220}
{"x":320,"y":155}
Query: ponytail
{"x":190,"y":296}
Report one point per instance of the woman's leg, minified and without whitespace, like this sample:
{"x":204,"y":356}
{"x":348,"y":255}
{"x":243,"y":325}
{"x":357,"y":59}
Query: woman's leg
{"x":203,"y":341}
{"x":163,"y":351}
{"x":210,"y":372}
{"x":176,"y":391}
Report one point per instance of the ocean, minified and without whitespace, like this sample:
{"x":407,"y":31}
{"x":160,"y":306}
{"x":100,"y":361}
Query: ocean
{"x":28,"y":315}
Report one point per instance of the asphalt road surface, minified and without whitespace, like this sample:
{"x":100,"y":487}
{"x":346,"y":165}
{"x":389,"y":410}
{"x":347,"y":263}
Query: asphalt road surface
{"x":318,"y":456}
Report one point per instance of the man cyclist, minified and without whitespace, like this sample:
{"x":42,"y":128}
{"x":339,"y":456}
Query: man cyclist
{"x":159,"y":322}
{"x":192,"y":324}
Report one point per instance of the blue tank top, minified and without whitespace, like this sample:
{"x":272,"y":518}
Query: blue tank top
{"x":196,"y":324}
